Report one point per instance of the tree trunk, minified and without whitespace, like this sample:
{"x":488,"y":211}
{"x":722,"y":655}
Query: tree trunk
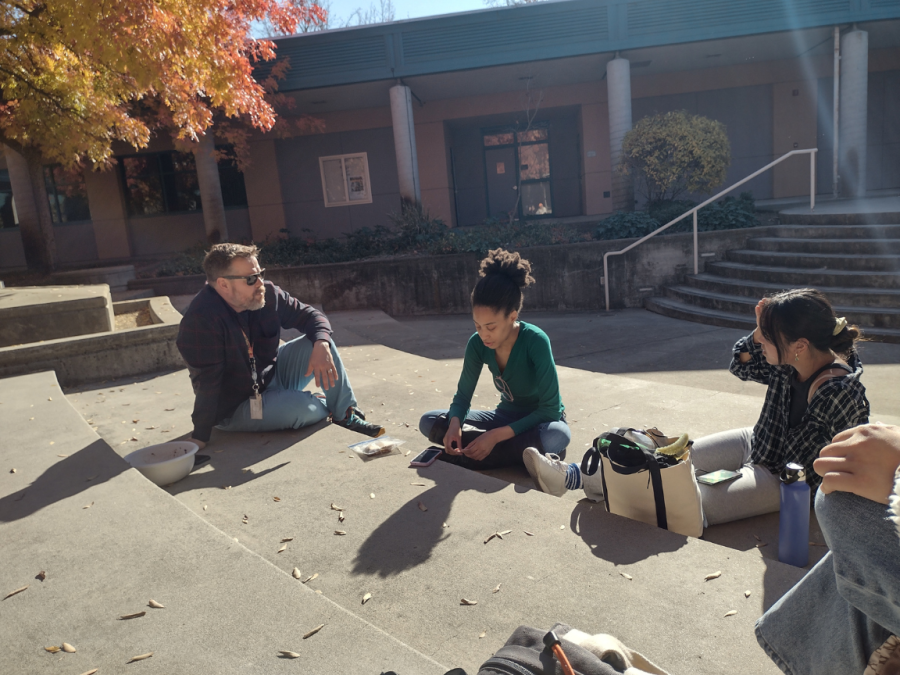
{"x":32,"y":209}
{"x":210,"y":189}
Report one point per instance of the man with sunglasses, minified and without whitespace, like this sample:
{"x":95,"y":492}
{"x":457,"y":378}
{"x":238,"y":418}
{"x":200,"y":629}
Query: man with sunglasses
{"x":243,"y":379}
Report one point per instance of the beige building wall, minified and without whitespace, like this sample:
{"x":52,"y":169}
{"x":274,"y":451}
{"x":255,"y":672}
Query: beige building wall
{"x":434,"y":178}
{"x":108,"y":214}
{"x":595,"y":154}
{"x":794,"y":127}
{"x":265,"y":201}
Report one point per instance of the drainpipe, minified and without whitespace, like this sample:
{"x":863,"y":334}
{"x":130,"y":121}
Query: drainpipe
{"x":835,"y":185}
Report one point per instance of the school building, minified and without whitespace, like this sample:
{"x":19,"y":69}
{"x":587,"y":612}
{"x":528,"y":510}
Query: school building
{"x":511,"y":110}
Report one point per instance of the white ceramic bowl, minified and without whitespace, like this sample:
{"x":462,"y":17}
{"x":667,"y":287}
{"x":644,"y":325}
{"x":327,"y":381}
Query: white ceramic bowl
{"x":164,"y":463}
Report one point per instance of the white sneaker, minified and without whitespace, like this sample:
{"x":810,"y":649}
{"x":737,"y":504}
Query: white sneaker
{"x":547,"y":471}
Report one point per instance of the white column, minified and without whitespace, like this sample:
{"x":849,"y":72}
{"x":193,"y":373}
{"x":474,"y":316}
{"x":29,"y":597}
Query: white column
{"x":854,"y":93}
{"x":210,"y":189}
{"x":618,"y":87}
{"x":405,"y":144}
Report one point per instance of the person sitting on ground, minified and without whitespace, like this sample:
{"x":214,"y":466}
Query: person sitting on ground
{"x":807,"y":357}
{"x":243,"y":379}
{"x":845,"y":613}
{"x":519,"y":358}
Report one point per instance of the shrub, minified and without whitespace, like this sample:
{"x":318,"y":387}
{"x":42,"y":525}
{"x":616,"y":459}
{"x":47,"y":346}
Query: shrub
{"x":626,"y":226}
{"x":676,"y":152}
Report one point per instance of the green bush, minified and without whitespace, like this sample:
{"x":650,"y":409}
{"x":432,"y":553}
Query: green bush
{"x":626,"y":226}
{"x":676,"y":152}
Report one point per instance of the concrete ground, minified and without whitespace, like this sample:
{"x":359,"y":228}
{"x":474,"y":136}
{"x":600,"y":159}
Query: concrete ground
{"x":415,"y":539}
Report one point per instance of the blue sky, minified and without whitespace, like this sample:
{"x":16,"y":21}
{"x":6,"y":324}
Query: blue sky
{"x":410,"y":9}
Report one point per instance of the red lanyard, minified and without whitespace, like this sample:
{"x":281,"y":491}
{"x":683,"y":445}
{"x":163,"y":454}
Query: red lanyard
{"x":252,"y":363}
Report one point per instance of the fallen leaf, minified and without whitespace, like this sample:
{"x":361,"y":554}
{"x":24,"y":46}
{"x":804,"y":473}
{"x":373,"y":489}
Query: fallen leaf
{"x":528,"y":533}
{"x":287,"y":539}
{"x":335,"y":507}
{"x":562,"y":527}
{"x":68,"y":649}
{"x":49,"y":398}
{"x":283,"y":547}
{"x":419,"y":484}
{"x":422,"y":507}
{"x":714,"y":575}
{"x":169,"y":409}
{"x":276,"y":499}
{"x":125,"y":617}
{"x":12,"y":470}
{"x":156,"y":605}
{"x":490,"y":537}
{"x":626,"y":575}
{"x":308,"y":579}
{"x":62,"y":455}
{"x":88,"y":506}
{"x":52,"y":442}
{"x":245,"y":520}
{"x":407,"y":453}
{"x":463,"y":601}
{"x":296,"y":573}
{"x":205,"y":507}
{"x":761,"y":545}
{"x":340,"y":517}
{"x":504,"y":532}
{"x":314,"y":631}
{"x":150,"y":428}
{"x":340,"y":533}
{"x":41,"y":575}
{"x":141,"y":657}
{"x":756,"y":536}
{"x":226,"y":487}
{"x":371,"y":495}
{"x":746,"y":594}
{"x":482,"y":635}
{"x":446,"y":525}
{"x":499,"y":536}
{"x":497,"y":590}
{"x":91,"y":672}
{"x":15,"y":592}
{"x":731,"y":613}
{"x":90,"y":478}
{"x":290,"y":655}
{"x":366,"y":598}
{"x":52,"y":649}
{"x":135,"y":421}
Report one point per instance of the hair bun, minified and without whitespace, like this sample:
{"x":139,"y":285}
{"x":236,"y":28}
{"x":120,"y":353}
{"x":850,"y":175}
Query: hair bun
{"x":509,"y":264}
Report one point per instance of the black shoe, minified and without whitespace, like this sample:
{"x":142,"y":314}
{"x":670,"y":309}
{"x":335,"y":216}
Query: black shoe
{"x":200,"y":460}
{"x":355,"y":423}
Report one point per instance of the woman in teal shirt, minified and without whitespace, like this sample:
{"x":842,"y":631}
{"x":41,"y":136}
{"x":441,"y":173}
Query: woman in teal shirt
{"x":518,"y":355}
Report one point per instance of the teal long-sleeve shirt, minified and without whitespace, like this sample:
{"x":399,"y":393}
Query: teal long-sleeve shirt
{"x":528,"y":384}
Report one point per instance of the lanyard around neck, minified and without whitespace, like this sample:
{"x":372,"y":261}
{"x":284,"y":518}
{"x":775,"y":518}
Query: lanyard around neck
{"x":253,"y":373}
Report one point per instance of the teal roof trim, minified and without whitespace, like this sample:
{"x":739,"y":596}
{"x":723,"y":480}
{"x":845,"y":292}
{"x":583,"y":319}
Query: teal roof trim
{"x":547,"y":31}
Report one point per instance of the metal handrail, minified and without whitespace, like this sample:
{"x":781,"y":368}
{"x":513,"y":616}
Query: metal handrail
{"x":812,"y":205}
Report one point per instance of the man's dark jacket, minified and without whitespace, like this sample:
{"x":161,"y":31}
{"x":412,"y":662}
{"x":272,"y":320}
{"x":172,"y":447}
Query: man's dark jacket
{"x":212,"y":344}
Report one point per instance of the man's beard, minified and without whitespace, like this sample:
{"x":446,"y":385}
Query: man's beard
{"x":257,"y":304}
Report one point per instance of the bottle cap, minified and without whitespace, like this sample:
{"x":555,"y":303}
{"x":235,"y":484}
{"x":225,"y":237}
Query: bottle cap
{"x":792,"y":473}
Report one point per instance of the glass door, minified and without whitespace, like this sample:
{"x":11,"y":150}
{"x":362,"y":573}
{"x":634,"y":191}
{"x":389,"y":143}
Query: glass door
{"x":518,"y":172}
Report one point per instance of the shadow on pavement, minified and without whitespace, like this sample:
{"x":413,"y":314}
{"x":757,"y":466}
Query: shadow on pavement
{"x":406,"y":539}
{"x":94,"y":464}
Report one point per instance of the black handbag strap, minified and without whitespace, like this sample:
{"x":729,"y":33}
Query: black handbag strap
{"x":591,"y":460}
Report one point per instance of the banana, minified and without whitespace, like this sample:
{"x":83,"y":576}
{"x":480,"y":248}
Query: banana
{"x":678,"y":449}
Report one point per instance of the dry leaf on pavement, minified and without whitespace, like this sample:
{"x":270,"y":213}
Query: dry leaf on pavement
{"x":314,"y":631}
{"x":714,"y":575}
{"x":296,"y":573}
{"x":341,"y":517}
{"x":335,"y":507}
{"x":136,"y":615}
{"x":497,"y":590}
{"x":490,"y":537}
{"x":746,"y":594}
{"x":41,"y":575}
{"x":731,"y":613}
{"x":483,"y":633}
{"x":91,"y":672}
{"x":15,"y":592}
{"x":340,"y":533}
{"x":289,"y":655}
{"x":366,"y":598}
{"x":286,"y":539}
{"x":52,"y":649}
{"x":156,"y":605}
{"x":530,"y":534}
{"x":276,"y":499}
{"x":88,"y":506}
{"x":463,"y":601}
{"x":626,"y":575}
{"x":281,"y":550}
{"x":422,"y":507}
{"x":141,"y":657}
{"x":308,"y":579}
{"x":68,"y":649}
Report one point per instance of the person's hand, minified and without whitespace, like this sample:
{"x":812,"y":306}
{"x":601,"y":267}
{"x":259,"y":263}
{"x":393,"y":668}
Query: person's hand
{"x":481,"y":447}
{"x":861,"y":460}
{"x":322,"y":364}
{"x":200,"y":444}
{"x":757,"y":334}
{"x":453,"y":435}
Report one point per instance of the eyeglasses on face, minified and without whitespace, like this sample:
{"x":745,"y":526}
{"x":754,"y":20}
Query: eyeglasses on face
{"x":251,"y":280}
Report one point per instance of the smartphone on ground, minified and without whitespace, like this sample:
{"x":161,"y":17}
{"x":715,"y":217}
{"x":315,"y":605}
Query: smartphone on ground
{"x":426,"y":457}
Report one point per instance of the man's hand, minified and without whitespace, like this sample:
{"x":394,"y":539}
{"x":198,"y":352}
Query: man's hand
{"x":482,"y":446}
{"x":322,"y":364}
{"x":200,"y":444}
{"x":861,"y":460}
{"x":453,"y":438}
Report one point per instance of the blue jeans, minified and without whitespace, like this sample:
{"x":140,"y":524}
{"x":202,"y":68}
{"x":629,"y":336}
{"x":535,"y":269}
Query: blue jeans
{"x":849,"y":603}
{"x":285,"y":404}
{"x":547,"y":437}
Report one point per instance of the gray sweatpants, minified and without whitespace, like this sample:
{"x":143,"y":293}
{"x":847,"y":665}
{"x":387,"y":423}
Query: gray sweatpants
{"x":755,"y":492}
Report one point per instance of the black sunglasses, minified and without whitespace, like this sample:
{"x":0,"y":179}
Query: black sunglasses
{"x":251,"y":279}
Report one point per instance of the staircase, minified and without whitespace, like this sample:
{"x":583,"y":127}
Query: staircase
{"x":857,"y":265}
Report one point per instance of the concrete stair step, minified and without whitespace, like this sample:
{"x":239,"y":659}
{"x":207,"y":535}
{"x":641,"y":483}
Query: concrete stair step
{"x":822,"y":261}
{"x":817,"y":278}
{"x":838,"y":231}
{"x":715,"y":317}
{"x":737,"y":304}
{"x":830,"y":246}
{"x":888,"y":218}
{"x":869,"y":298}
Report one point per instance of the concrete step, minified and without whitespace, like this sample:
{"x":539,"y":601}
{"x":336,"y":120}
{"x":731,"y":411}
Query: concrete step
{"x":715,"y":317}
{"x":857,"y":297}
{"x":838,"y":231}
{"x":842,"y":218}
{"x":737,"y":304}
{"x":119,"y":296}
{"x":816,"y":278}
{"x":821,"y":261}
{"x":830,"y":246}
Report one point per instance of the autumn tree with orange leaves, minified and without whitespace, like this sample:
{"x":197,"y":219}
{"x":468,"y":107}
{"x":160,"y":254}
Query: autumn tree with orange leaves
{"x":77,"y":76}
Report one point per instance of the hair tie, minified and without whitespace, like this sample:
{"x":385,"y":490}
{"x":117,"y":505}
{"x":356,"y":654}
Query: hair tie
{"x":840,"y":323}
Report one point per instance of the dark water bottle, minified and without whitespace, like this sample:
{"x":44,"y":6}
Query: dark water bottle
{"x":793,"y":526}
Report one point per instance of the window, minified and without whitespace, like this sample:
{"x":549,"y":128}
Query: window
{"x":234,"y":192}
{"x":159,"y":183}
{"x":68,"y":196}
{"x":345,"y":179}
{"x":7,"y":208}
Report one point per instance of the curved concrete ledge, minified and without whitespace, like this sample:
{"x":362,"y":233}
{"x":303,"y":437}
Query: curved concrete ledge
{"x":104,"y":356}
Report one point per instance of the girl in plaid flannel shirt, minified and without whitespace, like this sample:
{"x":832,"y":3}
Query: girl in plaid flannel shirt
{"x":807,"y":357}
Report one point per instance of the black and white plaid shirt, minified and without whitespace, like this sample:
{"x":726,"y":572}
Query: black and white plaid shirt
{"x":838,"y":404}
